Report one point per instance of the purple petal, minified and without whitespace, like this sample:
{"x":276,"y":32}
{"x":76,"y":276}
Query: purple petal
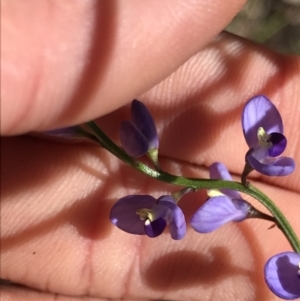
{"x":281,"y":166}
{"x":243,"y":207}
{"x":260,"y":112}
{"x":132,"y":140}
{"x":155,"y":228}
{"x":214,"y":213}
{"x":281,"y":275}
{"x":123,"y":213}
{"x":142,"y":118}
{"x":219,"y":171}
{"x":259,"y":153}
{"x":279,"y":143}
{"x":178,"y":224}
{"x":66,"y":133}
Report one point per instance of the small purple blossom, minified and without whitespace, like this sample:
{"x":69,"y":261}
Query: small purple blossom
{"x":263,"y":131}
{"x":72,"y":133}
{"x":139,"y":136}
{"x":282,"y":275}
{"x":67,"y":132}
{"x":223,"y":206}
{"x":143,"y":214}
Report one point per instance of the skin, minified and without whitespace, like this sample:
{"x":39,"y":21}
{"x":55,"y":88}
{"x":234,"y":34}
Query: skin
{"x":64,"y":63}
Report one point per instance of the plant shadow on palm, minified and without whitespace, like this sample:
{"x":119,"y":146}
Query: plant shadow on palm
{"x":213,"y":268}
{"x":78,"y":182}
{"x":45,"y":167}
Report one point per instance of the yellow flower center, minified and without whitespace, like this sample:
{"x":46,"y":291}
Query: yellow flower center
{"x":263,"y":138}
{"x":214,"y":192}
{"x":145,"y":214}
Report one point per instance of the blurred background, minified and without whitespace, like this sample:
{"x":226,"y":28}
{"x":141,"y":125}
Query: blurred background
{"x":274,"y":23}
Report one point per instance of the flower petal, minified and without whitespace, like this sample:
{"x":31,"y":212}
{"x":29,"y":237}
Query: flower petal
{"x":259,"y":153}
{"x":281,"y":166}
{"x":243,"y":207}
{"x":142,"y":118}
{"x":178,"y":223}
{"x":281,"y":275}
{"x":123,"y":213}
{"x":214,"y":213}
{"x":68,"y":132}
{"x":219,"y":171}
{"x":132,"y":139}
{"x":279,"y":143}
{"x":155,"y":228}
{"x":259,"y":111}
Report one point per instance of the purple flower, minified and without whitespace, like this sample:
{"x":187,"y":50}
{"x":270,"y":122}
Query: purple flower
{"x":263,"y":131}
{"x":143,"y":214}
{"x":282,"y":275}
{"x":139,"y":136}
{"x":68,"y":132}
{"x":72,"y":133}
{"x":223,"y":206}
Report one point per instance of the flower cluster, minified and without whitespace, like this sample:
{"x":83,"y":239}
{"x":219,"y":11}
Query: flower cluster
{"x":145,"y":215}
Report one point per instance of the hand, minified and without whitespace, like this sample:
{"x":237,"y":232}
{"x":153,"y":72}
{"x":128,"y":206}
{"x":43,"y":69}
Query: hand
{"x":55,"y":233}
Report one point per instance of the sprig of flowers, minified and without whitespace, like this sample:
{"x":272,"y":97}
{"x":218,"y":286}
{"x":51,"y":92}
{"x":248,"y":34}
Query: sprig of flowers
{"x":144,"y":215}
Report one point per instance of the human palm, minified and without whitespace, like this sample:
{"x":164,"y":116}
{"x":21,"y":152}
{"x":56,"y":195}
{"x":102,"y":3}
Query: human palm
{"x":55,"y":231}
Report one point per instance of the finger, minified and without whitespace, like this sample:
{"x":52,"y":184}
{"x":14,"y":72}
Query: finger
{"x":65,"y":63}
{"x":56,"y":235}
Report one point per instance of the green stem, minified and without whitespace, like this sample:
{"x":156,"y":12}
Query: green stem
{"x":197,"y":183}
